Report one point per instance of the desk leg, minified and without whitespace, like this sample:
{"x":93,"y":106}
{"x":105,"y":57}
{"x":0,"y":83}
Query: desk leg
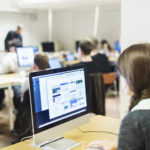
{"x":11,"y":121}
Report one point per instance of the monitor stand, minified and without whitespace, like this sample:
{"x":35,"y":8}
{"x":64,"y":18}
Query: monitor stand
{"x":59,"y":143}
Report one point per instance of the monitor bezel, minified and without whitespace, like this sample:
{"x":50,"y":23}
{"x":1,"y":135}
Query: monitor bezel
{"x":33,"y":113}
{"x":18,"y":56}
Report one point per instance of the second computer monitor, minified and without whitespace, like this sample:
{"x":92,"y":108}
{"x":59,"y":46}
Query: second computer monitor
{"x":54,"y":63}
{"x":48,"y":47}
{"x":70,"y":57}
{"x":26,"y":55}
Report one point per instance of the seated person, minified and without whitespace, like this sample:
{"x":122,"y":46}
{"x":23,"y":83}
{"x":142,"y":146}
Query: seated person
{"x":85,"y":49}
{"x":107,"y":49}
{"x":9,"y":65}
{"x":104,"y":48}
{"x":99,"y":58}
{"x":9,"y":62}
{"x":40,"y":63}
{"x":134,"y":67}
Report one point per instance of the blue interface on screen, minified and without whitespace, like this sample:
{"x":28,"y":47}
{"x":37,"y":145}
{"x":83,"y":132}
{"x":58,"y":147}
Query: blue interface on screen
{"x":70,"y":57}
{"x":26,"y":55}
{"x":54,"y":63}
{"x":59,"y":96}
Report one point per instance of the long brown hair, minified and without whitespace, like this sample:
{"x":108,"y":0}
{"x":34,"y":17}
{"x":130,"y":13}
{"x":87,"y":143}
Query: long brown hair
{"x":134,"y":66}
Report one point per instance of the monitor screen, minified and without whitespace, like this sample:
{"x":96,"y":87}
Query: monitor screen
{"x":70,"y":57}
{"x":26,"y":55}
{"x":48,"y":46}
{"x":58,"y":96}
{"x":77,"y":43}
{"x":54,"y":63}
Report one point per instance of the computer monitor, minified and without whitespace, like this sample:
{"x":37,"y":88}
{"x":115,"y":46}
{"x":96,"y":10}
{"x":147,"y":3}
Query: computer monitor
{"x":77,"y":43}
{"x":117,"y":46}
{"x":54,"y":63}
{"x":26,"y":55}
{"x":70,"y":57}
{"x":48,"y":47}
{"x":58,"y":100}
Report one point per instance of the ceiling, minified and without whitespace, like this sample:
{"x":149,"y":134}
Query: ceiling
{"x":64,"y":4}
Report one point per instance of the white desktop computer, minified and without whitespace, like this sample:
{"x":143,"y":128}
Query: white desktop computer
{"x":25,"y":56}
{"x":59,"y":104}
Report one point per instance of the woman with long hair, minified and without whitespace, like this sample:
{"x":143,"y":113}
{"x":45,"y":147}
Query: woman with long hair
{"x":134,"y":67}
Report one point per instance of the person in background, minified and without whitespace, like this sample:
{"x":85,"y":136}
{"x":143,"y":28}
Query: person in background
{"x":104,"y":48}
{"x":134,"y":66}
{"x":24,"y":111}
{"x":84,"y":50}
{"x":9,"y":65}
{"x":14,"y":38}
{"x":112,"y":52}
{"x":99,"y":58}
{"x":107,"y":49}
{"x":40,"y":63}
{"x":9,"y":62}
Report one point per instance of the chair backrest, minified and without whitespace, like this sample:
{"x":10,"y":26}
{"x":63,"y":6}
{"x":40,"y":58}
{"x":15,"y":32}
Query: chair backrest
{"x":96,"y":94}
{"x":109,"y":78}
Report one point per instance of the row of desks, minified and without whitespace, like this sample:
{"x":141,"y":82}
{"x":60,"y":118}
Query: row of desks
{"x":8,"y":80}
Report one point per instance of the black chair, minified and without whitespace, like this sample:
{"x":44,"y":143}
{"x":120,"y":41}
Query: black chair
{"x":96,"y":93}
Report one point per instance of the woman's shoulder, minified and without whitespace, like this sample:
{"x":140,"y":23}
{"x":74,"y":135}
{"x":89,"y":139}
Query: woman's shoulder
{"x":137,"y":117}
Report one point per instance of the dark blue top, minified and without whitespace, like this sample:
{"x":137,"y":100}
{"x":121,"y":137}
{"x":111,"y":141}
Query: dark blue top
{"x":13,"y":38}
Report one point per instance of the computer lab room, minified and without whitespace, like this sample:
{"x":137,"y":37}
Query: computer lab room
{"x":74,"y":75}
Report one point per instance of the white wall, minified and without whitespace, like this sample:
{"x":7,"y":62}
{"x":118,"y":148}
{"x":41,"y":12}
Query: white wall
{"x":69,"y":26}
{"x":110,"y":24}
{"x":135,"y":28}
{"x":35,"y":27}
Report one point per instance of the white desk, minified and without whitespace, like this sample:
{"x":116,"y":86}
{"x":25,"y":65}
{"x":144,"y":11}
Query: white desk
{"x":6,"y":81}
{"x":97,"y":123}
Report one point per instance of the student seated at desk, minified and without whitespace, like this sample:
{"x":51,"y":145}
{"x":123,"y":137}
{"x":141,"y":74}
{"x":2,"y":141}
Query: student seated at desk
{"x":85,"y":49}
{"x":99,"y":58}
{"x":104,"y":48}
{"x":21,"y":130}
{"x":40,"y":63}
{"x":9,"y":65}
{"x":134,"y":66}
{"x":107,"y":50}
{"x":9,"y":62}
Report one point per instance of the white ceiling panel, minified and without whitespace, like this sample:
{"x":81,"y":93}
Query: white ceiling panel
{"x":64,"y":4}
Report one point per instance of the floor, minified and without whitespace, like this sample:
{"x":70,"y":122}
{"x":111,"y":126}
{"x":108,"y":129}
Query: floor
{"x":112,"y":110}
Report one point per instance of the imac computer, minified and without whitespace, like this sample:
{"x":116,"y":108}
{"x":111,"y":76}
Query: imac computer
{"x":26,"y":56}
{"x":54,"y":63}
{"x":59,"y":104}
{"x":70,"y":57}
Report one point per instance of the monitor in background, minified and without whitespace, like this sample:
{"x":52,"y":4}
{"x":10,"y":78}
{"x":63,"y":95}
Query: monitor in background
{"x":70,"y":57}
{"x":77,"y":45}
{"x":117,"y":46}
{"x":59,"y":99}
{"x":26,"y":55}
{"x":48,"y":47}
{"x":54,"y":63}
